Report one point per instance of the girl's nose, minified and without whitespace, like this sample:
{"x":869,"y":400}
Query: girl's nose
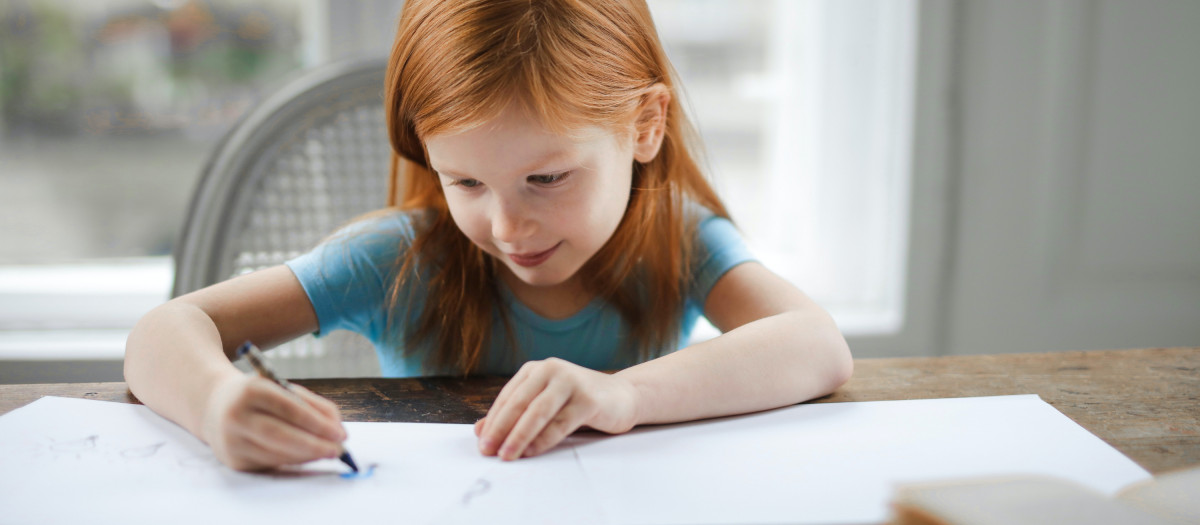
{"x":511,"y":222}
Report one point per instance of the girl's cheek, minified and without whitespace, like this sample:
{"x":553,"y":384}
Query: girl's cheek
{"x":474,"y":225}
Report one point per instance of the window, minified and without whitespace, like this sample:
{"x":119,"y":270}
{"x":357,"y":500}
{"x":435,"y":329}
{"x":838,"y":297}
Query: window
{"x":107,"y":112}
{"x":805,"y":110}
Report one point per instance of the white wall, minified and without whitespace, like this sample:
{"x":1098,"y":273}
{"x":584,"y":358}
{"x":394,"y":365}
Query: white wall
{"x":1057,"y":178}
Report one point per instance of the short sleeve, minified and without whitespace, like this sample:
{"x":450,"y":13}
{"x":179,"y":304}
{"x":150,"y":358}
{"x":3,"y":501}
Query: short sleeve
{"x":719,"y":248}
{"x":347,"y":277}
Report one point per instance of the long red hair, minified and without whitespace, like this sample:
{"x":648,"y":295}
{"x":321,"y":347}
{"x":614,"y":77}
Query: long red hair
{"x":572,"y":63}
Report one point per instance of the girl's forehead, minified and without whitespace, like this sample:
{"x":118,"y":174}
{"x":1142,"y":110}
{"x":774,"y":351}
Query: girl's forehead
{"x":516,"y":143}
{"x":516,"y":117}
{"x":514,"y":127}
{"x":518,"y":114}
{"x":473,"y":155}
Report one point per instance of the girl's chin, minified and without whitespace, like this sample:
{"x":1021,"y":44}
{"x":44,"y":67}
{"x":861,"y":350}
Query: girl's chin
{"x":541,"y":276}
{"x":533,"y":277}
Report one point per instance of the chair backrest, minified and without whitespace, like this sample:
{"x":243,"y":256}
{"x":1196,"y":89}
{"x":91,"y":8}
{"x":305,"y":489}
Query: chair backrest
{"x":309,"y":158}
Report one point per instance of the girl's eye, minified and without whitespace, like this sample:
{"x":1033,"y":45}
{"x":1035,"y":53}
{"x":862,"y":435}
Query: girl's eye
{"x":466,"y":183}
{"x":549,"y":180}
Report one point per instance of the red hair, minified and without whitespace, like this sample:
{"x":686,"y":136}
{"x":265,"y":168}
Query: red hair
{"x":572,"y":63}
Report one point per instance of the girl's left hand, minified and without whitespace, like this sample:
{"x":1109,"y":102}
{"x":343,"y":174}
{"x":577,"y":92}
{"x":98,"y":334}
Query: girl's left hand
{"x":548,"y":400}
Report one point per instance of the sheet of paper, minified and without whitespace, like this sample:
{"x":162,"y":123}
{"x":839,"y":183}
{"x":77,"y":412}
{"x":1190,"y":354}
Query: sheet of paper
{"x":546,"y":490}
{"x":78,"y":461}
{"x":72,"y":460}
{"x":837,"y":462}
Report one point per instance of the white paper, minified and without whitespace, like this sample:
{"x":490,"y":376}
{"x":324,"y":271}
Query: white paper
{"x":548,"y":490}
{"x":79,"y":461}
{"x":838,"y":462}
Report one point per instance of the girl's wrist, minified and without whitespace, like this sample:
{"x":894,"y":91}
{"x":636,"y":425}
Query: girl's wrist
{"x":642,"y":399}
{"x":208,"y":398}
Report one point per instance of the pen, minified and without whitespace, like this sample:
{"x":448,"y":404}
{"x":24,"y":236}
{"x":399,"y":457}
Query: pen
{"x":255,"y":357}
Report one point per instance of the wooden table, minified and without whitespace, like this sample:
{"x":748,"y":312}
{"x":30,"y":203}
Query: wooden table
{"x":1145,"y":402}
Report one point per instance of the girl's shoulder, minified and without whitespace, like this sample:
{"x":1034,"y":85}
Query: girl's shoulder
{"x":388,"y":225}
{"x":374,"y":239}
{"x":698,"y":217}
{"x":368,"y":245}
{"x":712,"y":235}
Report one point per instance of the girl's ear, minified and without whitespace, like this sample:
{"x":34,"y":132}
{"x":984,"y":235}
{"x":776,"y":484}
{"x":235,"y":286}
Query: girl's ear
{"x":651,"y":123}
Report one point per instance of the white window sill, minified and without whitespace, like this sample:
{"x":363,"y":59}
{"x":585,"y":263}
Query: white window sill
{"x":851,"y":322}
{"x":63,"y":345}
{"x":78,"y":311}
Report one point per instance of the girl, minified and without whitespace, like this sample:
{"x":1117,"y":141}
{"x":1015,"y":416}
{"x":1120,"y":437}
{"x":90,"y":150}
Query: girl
{"x":551,"y":214}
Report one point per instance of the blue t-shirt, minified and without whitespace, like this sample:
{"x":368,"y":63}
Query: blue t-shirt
{"x":347,"y":279}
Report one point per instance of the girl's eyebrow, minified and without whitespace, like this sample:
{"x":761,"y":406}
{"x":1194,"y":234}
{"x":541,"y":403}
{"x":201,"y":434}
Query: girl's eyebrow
{"x":553,"y":157}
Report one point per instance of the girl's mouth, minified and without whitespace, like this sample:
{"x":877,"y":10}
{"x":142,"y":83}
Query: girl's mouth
{"x":533,"y":259}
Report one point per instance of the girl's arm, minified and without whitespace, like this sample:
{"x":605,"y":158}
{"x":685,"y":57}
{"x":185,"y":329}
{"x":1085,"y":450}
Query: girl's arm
{"x":778,"y":348}
{"x":178,"y":363}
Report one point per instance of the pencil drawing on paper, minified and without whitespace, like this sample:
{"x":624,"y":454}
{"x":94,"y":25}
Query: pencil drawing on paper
{"x":75,"y":447}
{"x":142,"y":452}
{"x":479,"y":488}
{"x":195,"y":461}
{"x":96,"y":448}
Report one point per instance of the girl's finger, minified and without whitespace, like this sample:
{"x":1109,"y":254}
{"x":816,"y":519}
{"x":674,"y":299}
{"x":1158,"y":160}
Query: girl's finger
{"x":500,"y":421}
{"x":272,"y":399}
{"x":292,"y":444}
{"x":479,"y":426}
{"x":506,"y":392}
{"x":252,"y":456}
{"x":545,"y":408}
{"x":568,"y":420}
{"x":324,"y":405}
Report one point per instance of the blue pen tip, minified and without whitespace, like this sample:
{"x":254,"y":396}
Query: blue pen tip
{"x":243,"y":349}
{"x":345,"y":457}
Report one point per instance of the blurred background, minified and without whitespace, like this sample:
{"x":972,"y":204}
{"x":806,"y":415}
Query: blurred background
{"x":946,"y":177}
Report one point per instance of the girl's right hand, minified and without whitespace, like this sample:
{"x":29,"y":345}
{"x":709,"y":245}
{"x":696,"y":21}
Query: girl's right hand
{"x":254,"y":424}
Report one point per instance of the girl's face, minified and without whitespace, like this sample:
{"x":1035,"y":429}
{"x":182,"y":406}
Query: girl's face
{"x":540,"y":203}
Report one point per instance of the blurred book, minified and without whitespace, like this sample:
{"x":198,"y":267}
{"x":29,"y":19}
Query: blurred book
{"x":1169,"y":499}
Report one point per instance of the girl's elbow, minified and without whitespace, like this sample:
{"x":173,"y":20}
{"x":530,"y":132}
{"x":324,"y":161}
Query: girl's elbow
{"x":843,"y":364}
{"x":822,"y":358}
{"x":139,"y":344}
{"x":839,"y":363}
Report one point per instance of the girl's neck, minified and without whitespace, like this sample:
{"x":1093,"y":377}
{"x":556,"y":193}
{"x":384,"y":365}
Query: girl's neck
{"x":555,"y":302}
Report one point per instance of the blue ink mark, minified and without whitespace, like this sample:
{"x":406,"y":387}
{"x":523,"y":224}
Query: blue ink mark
{"x":362,"y":474}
